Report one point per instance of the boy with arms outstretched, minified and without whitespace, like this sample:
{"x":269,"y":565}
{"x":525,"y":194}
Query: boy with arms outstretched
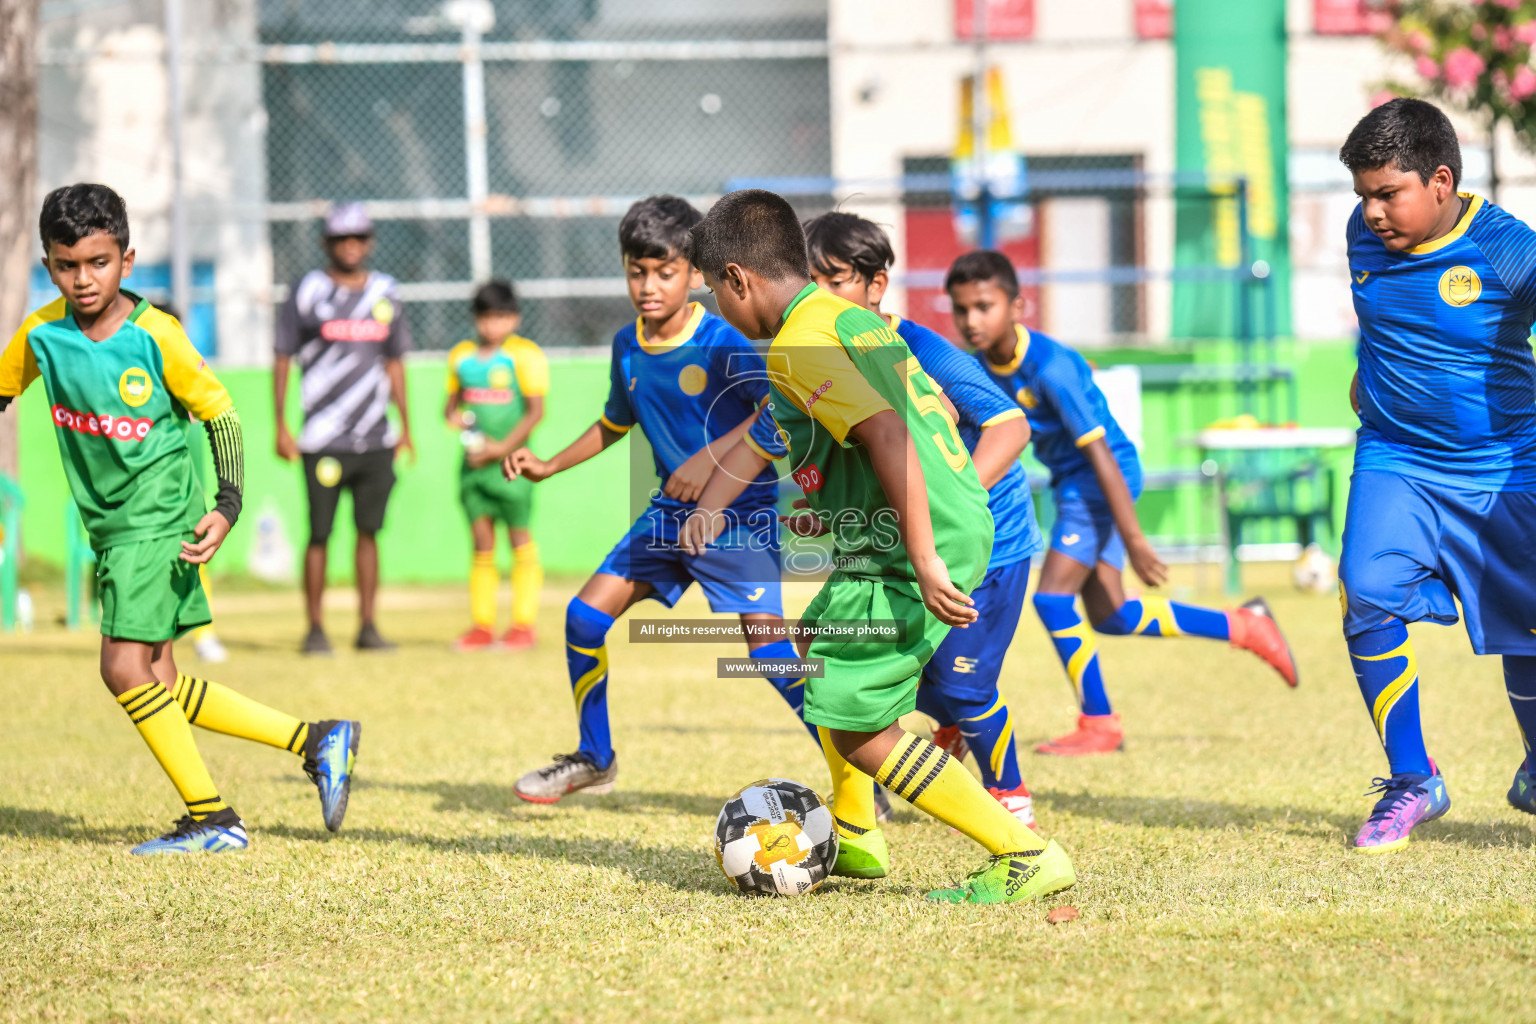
{"x":850,"y":257}
{"x":121,"y":377}
{"x":694,"y":385}
{"x":1442,"y":503}
{"x":1095,"y":480}
{"x":882,"y":463}
{"x":496,"y":389}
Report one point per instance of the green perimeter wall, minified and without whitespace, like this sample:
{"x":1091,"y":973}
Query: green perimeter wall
{"x":581,"y":513}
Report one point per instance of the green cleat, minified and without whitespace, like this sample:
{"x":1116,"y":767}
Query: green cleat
{"x":862,"y":856}
{"x":1013,"y":877}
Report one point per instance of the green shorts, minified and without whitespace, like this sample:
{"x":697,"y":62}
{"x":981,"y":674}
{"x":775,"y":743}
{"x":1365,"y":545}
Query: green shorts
{"x":148,"y":593}
{"x":486,"y":494}
{"x":868,"y":683}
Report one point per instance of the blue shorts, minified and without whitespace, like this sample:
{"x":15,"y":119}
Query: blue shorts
{"x":969,"y":661}
{"x":738,"y":573}
{"x":1085,"y":531}
{"x":1410,"y":546}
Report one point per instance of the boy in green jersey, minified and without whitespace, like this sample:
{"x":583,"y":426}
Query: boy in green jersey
{"x":496,"y":389}
{"x":121,"y":378}
{"x":882,"y":464}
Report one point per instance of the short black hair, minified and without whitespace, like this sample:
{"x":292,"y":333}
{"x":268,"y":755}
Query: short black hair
{"x":656,"y":228}
{"x":74,"y":211}
{"x":755,"y":229}
{"x":983,"y":265}
{"x":848,"y":239}
{"x":1413,"y":134}
{"x":495,"y":296}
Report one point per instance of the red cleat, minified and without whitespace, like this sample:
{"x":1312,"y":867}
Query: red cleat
{"x":477,"y":639}
{"x":948,"y":739}
{"x":1252,"y":628}
{"x":1017,"y":802}
{"x":518,"y":638}
{"x":1096,"y":734}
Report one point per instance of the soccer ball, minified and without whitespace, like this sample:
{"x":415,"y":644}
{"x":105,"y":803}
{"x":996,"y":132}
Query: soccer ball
{"x":775,"y":838}
{"x":1314,"y":571}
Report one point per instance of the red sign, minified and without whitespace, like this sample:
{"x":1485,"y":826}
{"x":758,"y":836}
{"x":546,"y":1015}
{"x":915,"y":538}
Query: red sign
{"x":1154,"y":19}
{"x":1349,"y":18}
{"x":1004,"y":19}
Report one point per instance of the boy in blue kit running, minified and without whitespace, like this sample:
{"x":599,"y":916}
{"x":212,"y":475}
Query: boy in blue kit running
{"x":694,"y":385}
{"x":1442,"y":503}
{"x":1095,"y":480}
{"x":851,"y":257}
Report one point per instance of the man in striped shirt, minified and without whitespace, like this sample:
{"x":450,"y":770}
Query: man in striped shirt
{"x":346,"y":328}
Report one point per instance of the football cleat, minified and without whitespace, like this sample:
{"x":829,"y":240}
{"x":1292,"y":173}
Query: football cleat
{"x":370,"y":639}
{"x":477,"y":639}
{"x":1016,"y":802}
{"x":948,"y":739}
{"x":330,"y":752}
{"x":1407,"y":799}
{"x":1522,"y":792}
{"x":518,"y":638}
{"x":566,"y":774}
{"x":883,"y":813}
{"x":862,"y":856}
{"x":1013,"y":877}
{"x":1252,"y":627}
{"x":208,"y":648}
{"x":219,"y":831}
{"x":1096,"y":734}
{"x":316,"y":644}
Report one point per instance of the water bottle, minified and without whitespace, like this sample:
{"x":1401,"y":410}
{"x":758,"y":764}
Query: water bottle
{"x":25,"y":613}
{"x":472,"y":440}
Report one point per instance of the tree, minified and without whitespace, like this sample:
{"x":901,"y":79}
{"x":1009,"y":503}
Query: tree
{"x":18,"y":175}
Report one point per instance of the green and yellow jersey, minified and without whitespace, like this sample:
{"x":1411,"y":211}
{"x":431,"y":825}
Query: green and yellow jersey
{"x":496,"y":387}
{"x":833,"y":365}
{"x":119,"y":410}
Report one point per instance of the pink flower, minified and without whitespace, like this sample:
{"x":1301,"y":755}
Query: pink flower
{"x":1426,"y":67}
{"x":1385,"y":96}
{"x":1508,"y":5}
{"x":1418,"y":42}
{"x":1503,"y":39}
{"x":1523,"y":86}
{"x":1526,"y":33}
{"x":1479,"y":31}
{"x":1462,"y":67}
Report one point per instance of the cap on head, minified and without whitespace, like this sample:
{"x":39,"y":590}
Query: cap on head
{"x":346,"y":219}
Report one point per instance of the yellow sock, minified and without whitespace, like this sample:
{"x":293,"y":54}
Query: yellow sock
{"x":935,"y":783}
{"x":221,"y":709}
{"x":170,"y":740}
{"x":527,"y":581}
{"x":853,"y":792}
{"x":483,"y":582}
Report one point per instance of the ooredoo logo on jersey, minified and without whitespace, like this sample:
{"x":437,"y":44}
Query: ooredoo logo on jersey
{"x":118,"y":428}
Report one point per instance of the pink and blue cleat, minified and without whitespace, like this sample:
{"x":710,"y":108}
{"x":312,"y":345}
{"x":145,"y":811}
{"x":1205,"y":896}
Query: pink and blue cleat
{"x":1407,"y":799}
{"x":1522,"y":792}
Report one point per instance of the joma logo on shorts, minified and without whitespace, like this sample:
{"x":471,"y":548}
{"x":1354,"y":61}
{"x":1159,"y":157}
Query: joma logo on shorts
{"x":118,"y":428}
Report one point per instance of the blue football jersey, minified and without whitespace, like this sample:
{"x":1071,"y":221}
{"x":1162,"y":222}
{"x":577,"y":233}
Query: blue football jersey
{"x":1066,"y":410}
{"x":980,"y":403}
{"x":686,"y":392}
{"x":1447,"y":381}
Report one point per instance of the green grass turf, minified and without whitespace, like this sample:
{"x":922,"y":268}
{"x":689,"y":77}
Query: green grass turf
{"x":1215,"y":878}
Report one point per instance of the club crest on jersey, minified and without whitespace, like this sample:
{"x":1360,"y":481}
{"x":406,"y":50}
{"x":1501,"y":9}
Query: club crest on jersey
{"x":691,"y":379}
{"x":1460,"y":286}
{"x":1026,"y":398}
{"x":809,"y":478}
{"x":384,"y":312}
{"x":118,"y":428}
{"x":500,"y":377}
{"x":134,"y":387}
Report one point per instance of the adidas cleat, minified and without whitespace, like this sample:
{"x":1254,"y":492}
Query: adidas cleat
{"x":219,"y":831}
{"x":1406,"y":800}
{"x":862,"y":856}
{"x":1014,"y":877}
{"x":330,"y":752}
{"x":566,"y":774}
{"x":1252,"y":627}
{"x":1096,"y":734}
{"x":1522,"y":792}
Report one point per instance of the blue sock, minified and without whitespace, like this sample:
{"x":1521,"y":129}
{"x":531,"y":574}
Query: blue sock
{"x":1388,"y":674}
{"x":1075,"y":647}
{"x":988,"y":729}
{"x":931,"y":703}
{"x":1520,"y":684}
{"x":791,"y":688}
{"x":586,"y":656}
{"x":1158,"y":616}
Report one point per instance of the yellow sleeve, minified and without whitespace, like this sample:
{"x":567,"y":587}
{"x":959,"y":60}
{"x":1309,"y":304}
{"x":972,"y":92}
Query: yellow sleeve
{"x":455,"y":355}
{"x":827,"y":384}
{"x":1004,"y":417}
{"x":532,"y":366}
{"x":186,"y":374}
{"x":18,"y":366}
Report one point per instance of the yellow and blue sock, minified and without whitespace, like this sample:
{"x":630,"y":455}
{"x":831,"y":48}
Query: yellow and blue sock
{"x":936,"y":784}
{"x":586,"y":658}
{"x":1520,"y":684}
{"x":220,"y":709}
{"x":1158,"y":616}
{"x":1388,"y":674}
{"x":987,"y":726}
{"x":791,"y":688}
{"x":1075,"y":646}
{"x":483,"y":584}
{"x":527,"y":583}
{"x":170,"y":739}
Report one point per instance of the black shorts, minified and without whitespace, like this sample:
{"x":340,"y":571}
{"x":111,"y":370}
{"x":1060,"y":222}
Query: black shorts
{"x":370,"y":476}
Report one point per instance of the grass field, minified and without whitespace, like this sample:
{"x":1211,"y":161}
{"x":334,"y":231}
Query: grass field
{"x":1215,"y":878}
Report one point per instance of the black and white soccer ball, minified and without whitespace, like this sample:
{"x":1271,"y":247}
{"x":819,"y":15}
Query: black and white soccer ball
{"x":776,"y":838}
